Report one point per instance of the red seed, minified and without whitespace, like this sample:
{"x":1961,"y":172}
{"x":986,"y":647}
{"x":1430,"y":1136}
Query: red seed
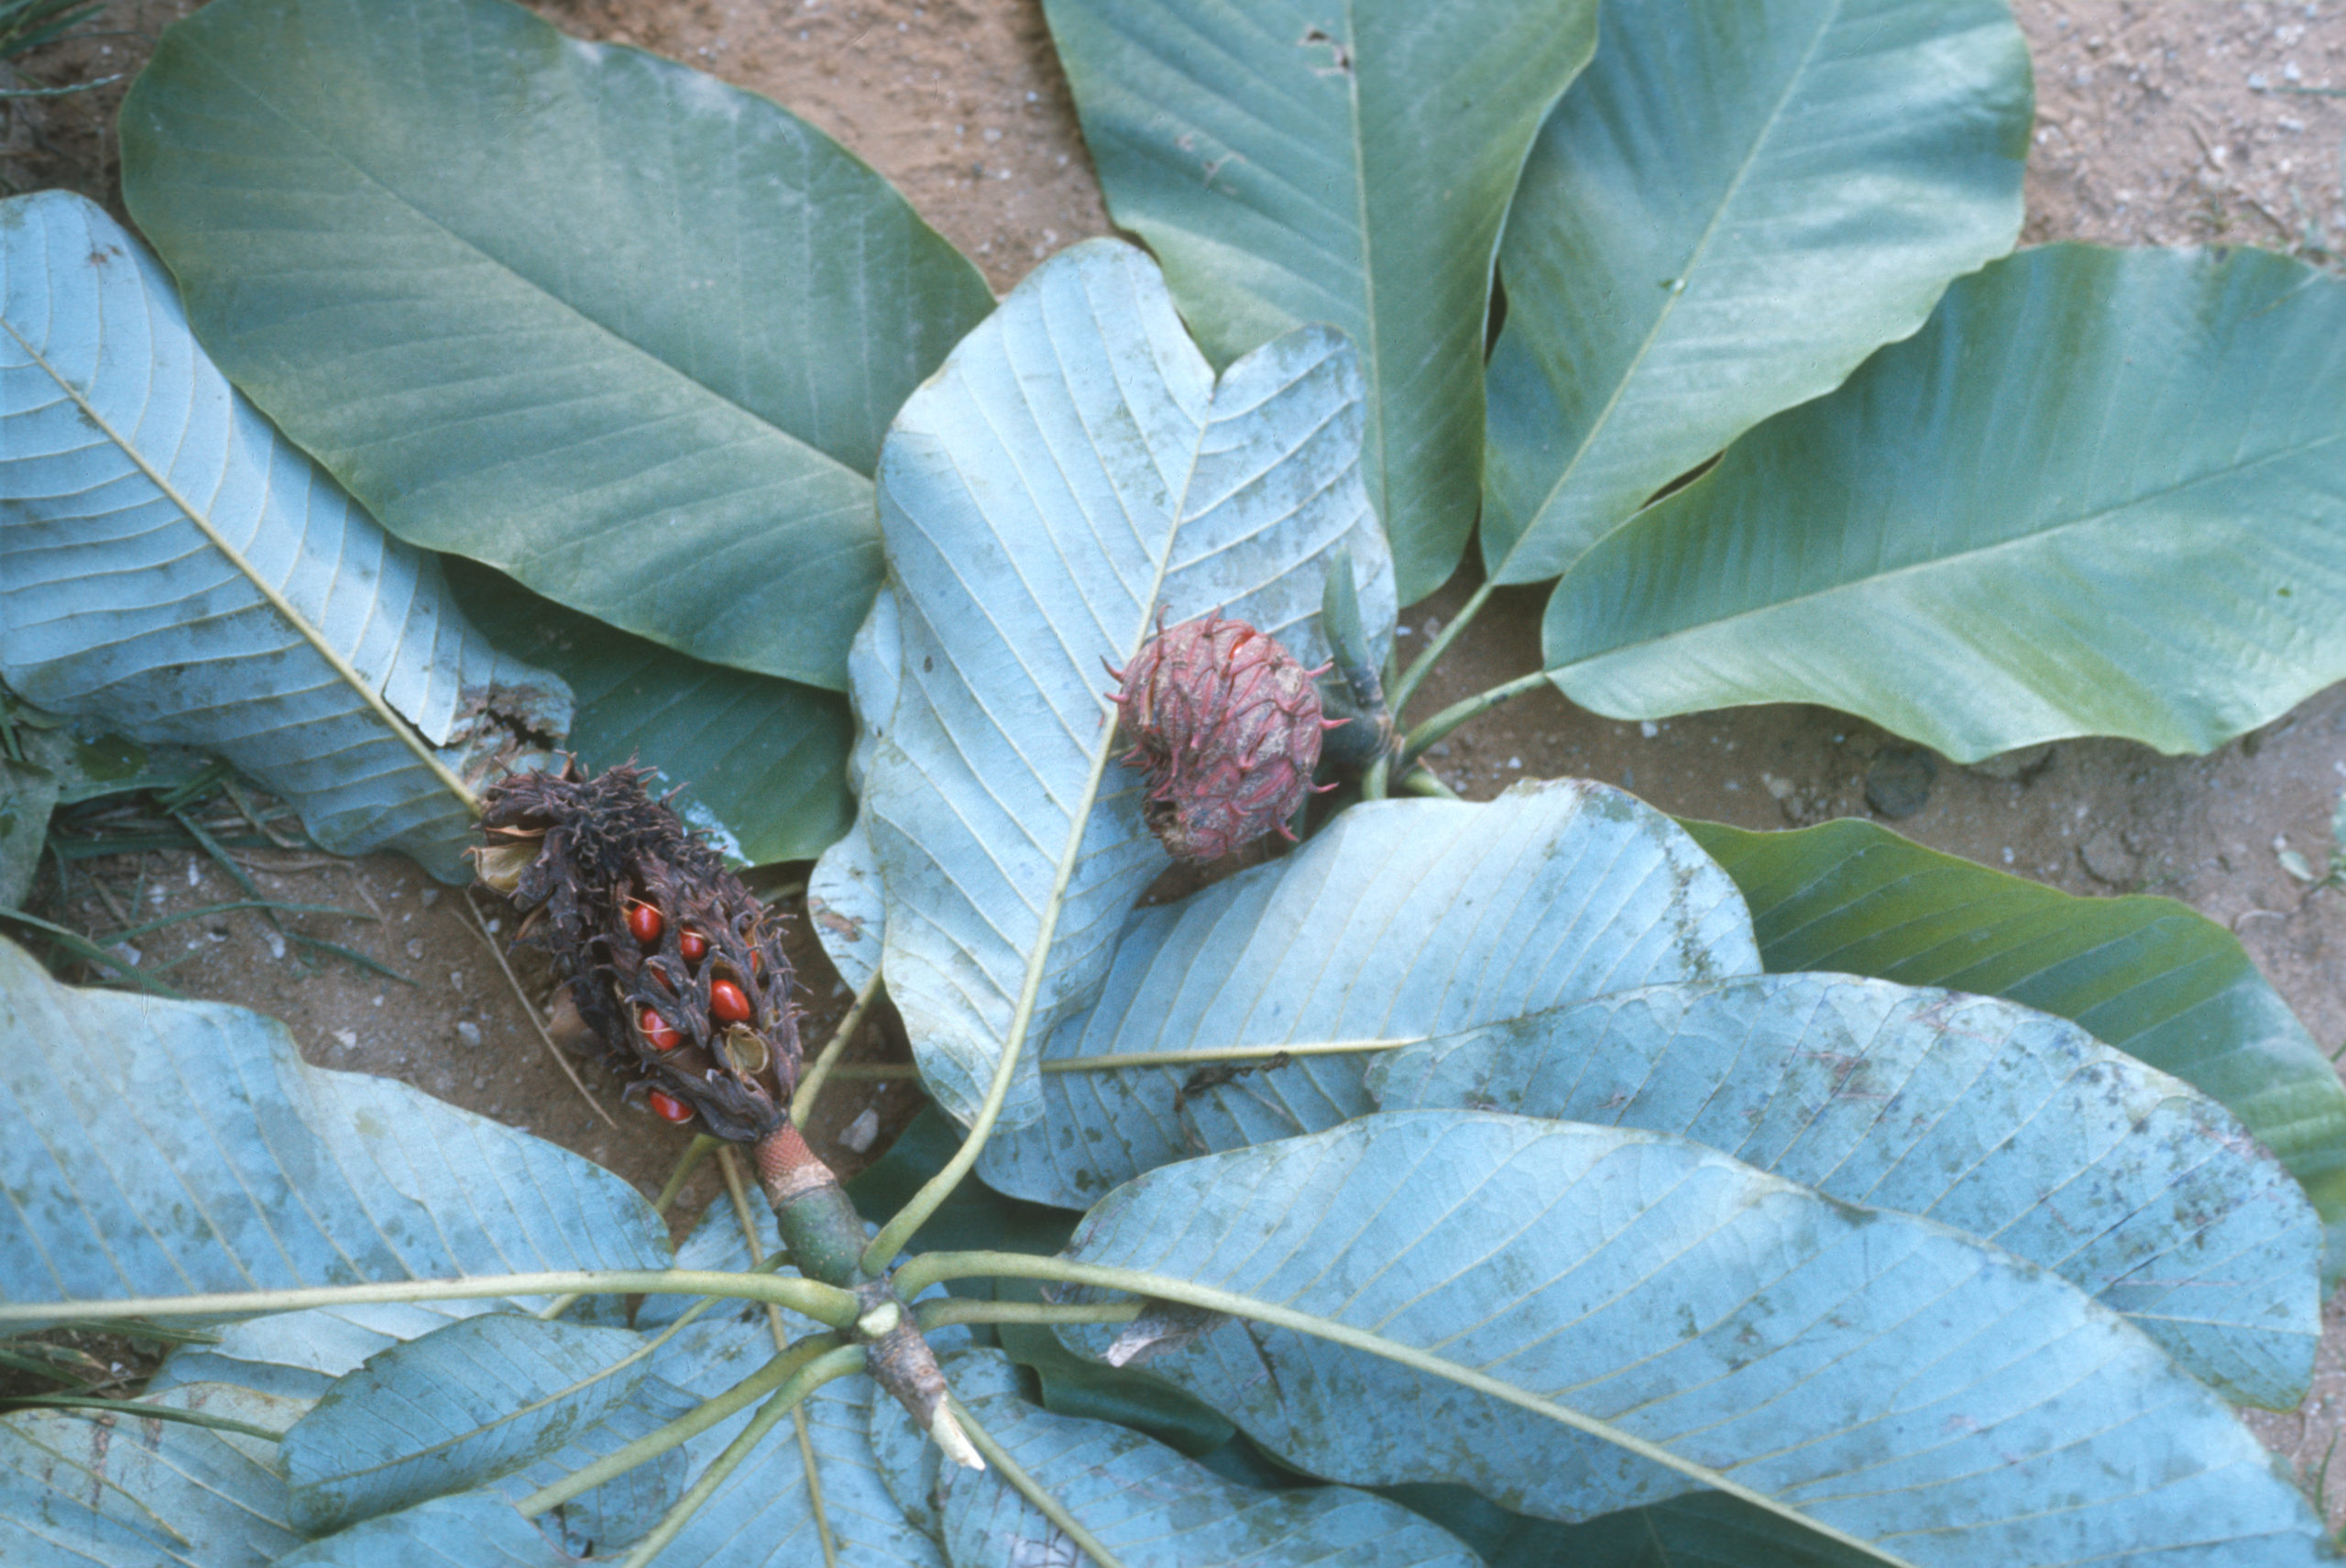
{"x":692,"y":944}
{"x":668,"y":1108}
{"x":727,"y":1003}
{"x":644,"y":922}
{"x":657,"y":1030}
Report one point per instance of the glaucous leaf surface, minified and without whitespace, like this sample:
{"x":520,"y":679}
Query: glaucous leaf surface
{"x":847,"y":905}
{"x":2149,"y":976}
{"x":600,"y":320}
{"x":2010,"y":1124}
{"x":458,"y":1409}
{"x":171,"y":565}
{"x":1075,"y":471}
{"x":626,"y":1506}
{"x":1873,"y":1376}
{"x":299,"y":1355}
{"x":185,"y":1147}
{"x":2098,"y":493}
{"x":765,"y":759}
{"x":1149,"y":1504}
{"x":471,"y":1529}
{"x":101,"y":1490}
{"x":764,"y":1514}
{"x":1398,"y":921}
{"x":1293,"y":164}
{"x":1830,"y":165}
{"x":844,"y":896}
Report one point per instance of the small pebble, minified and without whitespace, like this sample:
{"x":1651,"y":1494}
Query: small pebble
{"x":347,"y":1038}
{"x":1898,"y":783}
{"x":415,"y":946}
{"x":276,"y":944}
{"x":857,"y":1135}
{"x":431,"y":896}
{"x":469,"y":1033}
{"x":1649,"y":728}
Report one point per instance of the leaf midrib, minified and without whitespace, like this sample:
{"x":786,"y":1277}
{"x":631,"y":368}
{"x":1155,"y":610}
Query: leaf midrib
{"x":2033,"y":537}
{"x":1151,"y":1285}
{"x":399,"y":726}
{"x":434,"y":221}
{"x":1669,"y":305}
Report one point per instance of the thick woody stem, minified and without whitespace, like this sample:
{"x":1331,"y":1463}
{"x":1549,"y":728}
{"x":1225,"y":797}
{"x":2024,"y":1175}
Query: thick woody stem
{"x":825,"y":1235}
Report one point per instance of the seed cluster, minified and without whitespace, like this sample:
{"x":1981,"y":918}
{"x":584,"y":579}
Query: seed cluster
{"x":668,"y":960}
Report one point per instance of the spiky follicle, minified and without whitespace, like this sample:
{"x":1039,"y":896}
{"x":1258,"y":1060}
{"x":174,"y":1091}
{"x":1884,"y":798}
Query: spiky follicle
{"x":671,"y":962}
{"x":1226,"y":724}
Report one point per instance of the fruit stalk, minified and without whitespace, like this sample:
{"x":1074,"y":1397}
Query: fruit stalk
{"x":825,"y":1234}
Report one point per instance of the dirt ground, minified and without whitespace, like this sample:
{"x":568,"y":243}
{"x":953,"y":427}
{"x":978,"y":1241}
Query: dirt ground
{"x":2168,"y":124}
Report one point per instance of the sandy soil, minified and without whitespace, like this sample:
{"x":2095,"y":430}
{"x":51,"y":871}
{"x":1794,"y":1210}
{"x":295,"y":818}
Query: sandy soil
{"x":2184,"y":123}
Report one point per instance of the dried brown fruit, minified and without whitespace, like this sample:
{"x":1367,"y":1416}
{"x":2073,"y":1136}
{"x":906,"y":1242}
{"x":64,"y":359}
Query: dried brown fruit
{"x":613,"y":883}
{"x":1226,"y":723}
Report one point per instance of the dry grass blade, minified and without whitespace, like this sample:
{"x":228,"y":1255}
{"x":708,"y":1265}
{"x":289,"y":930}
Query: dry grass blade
{"x":561,"y":1060}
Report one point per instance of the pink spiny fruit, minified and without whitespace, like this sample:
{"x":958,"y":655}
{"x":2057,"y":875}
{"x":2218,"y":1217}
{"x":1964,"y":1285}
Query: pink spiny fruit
{"x":1226,"y":723}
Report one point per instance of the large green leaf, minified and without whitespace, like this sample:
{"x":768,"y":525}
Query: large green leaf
{"x":1736,"y":203}
{"x":162,"y":1148}
{"x":2103,"y":492}
{"x":1073,"y":472}
{"x":765,"y":759}
{"x":1399,"y":921}
{"x":472,"y":1529}
{"x":1291,"y":162}
{"x":2147,"y":975}
{"x":627,"y":333}
{"x":173,"y":566}
{"x":459,"y":1407}
{"x":2010,"y":1124}
{"x":1498,"y":1302}
{"x":1149,"y":1505}
{"x":1705,"y":1529}
{"x":99,"y":1490}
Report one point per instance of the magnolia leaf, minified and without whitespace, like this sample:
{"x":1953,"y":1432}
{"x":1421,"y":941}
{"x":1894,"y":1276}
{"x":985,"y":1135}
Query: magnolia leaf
{"x":302,"y":1353}
{"x":845,"y":904}
{"x":765,"y":759}
{"x":28,"y":792}
{"x":765,"y":1515}
{"x":1073,"y":472}
{"x":1708,"y":1529}
{"x":185,"y":1147}
{"x":1291,"y":162}
{"x":173,"y":566}
{"x":1572,"y":1320}
{"x":460,"y":1407}
{"x":471,"y":1529}
{"x":451,"y":252}
{"x":1398,"y":922}
{"x":2096,"y":495}
{"x":626,"y":1506}
{"x":299,"y":1355}
{"x":1832,"y":165}
{"x":1149,"y":1504}
{"x":844,"y":892}
{"x":2010,"y":1124}
{"x":2152,"y":977}
{"x":98,"y":1487}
